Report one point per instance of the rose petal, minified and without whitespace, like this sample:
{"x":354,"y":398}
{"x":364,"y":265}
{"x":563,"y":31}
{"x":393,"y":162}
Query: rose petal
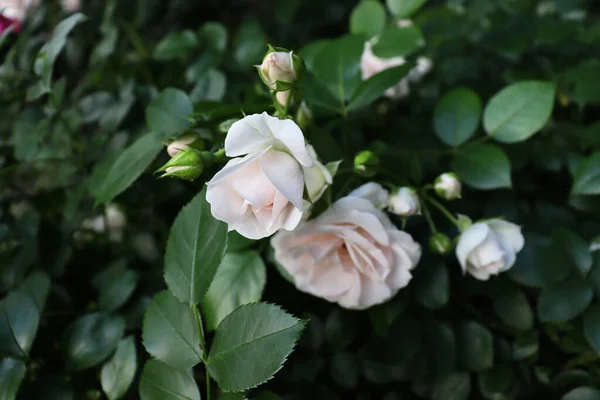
{"x":508,"y":233}
{"x":291,"y":136}
{"x":234,"y":165}
{"x":470,"y":239}
{"x":285,"y":174}
{"x":248,"y":135}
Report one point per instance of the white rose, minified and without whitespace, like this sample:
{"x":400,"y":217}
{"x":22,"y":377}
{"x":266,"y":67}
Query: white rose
{"x":489,"y":247}
{"x":405,"y":202}
{"x":373,"y":192}
{"x":318,"y":177}
{"x":351,"y":255}
{"x":261,"y":192}
{"x":448,"y":186}
{"x":278,"y":66}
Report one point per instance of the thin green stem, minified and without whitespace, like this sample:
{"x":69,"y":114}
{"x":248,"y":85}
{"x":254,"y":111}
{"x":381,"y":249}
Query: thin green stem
{"x":443,"y":210}
{"x":278,"y":107}
{"x":428,"y":218}
{"x":288,"y":102}
{"x":200,"y":326}
{"x":207,"y":383}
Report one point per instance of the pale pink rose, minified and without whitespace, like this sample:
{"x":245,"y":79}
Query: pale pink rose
{"x":181,"y":144}
{"x":16,"y":10}
{"x":71,"y":5}
{"x":261,"y":192}
{"x":278,"y":66}
{"x":373,"y":192}
{"x":351,"y":255}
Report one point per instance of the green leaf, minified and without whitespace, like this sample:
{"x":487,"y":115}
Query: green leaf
{"x":118,"y":372}
{"x":91,"y":339}
{"x":345,"y":369}
{"x":512,"y":308}
{"x":195,"y":248}
{"x":27,"y":135}
{"x":587,"y":179}
{"x":162,"y":382}
{"x":168,"y":113}
{"x":404,"y":8}
{"x":127,"y":167}
{"x":583,"y":79}
{"x":591,"y":326}
{"x":215,"y":35}
{"x":368,"y":18}
{"x":456,"y":116}
{"x":249,"y":45}
{"x":240,"y":280}
{"x":477,"y":347}
{"x":116,"y":285}
{"x":564,"y":301}
{"x":496,"y":382}
{"x":483,"y":166}
{"x":20,"y":314}
{"x":170,"y":332}
{"x":519,"y":110}
{"x":250,"y":330}
{"x":440,"y":347}
{"x":432,"y":285}
{"x":176,"y":44}
{"x":397,"y":41}
{"x":320,"y":98}
{"x":576,"y":248}
{"x":582,"y":393}
{"x":374,"y":87}
{"x":454,"y":386}
{"x":12,"y":373}
{"x":211,"y":87}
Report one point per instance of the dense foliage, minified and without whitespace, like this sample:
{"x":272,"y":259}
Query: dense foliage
{"x":115,"y":283}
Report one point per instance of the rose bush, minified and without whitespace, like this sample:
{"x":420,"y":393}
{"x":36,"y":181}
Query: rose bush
{"x":331,"y":200}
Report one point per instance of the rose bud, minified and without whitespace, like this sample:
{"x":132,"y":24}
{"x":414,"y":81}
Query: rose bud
{"x":405,"y":202}
{"x":447,"y":186}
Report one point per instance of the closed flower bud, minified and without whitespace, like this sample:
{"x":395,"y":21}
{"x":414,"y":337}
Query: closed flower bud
{"x":447,"y":186}
{"x":405,"y":202}
{"x":280,"y":69}
{"x":366,"y":164}
{"x":440,"y":243}
{"x":304,"y":117}
{"x":186,"y":164}
{"x":185,"y":141}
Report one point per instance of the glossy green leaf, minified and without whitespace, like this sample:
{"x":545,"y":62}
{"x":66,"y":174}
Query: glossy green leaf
{"x":91,"y":339}
{"x":477,"y":347}
{"x":374,"y":87}
{"x":456,"y":116}
{"x":564,"y":301}
{"x":404,"y":8}
{"x":397,"y":41}
{"x":483,"y":166}
{"x":519,"y":111}
{"x":127,"y":167}
{"x":117,"y":374}
{"x":575,"y":247}
{"x":432,"y":285}
{"x":12,"y":373}
{"x":195,"y":248}
{"x":168,"y":113}
{"x":512,"y":308}
{"x":440,"y":347}
{"x":591,"y":326}
{"x":214,"y":34}
{"x":176,"y":44}
{"x":251,"y":330}
{"x":240,"y":280}
{"x":162,"y":382}
{"x":170,"y":332}
{"x":249,"y":45}
{"x":368,"y":18}
{"x":115,"y":285}
{"x":582,"y":393}
{"x":454,"y":386}
{"x":587,"y":179}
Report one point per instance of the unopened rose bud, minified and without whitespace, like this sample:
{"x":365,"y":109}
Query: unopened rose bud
{"x":184,"y":142}
{"x":404,"y":202}
{"x":447,"y":186}
{"x":440,"y":243}
{"x":280,"y":69}
{"x":186,"y":164}
{"x":366,"y":164}
{"x":304,"y":117}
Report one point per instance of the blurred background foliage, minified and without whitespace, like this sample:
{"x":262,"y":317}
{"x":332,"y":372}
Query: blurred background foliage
{"x":76,"y":277}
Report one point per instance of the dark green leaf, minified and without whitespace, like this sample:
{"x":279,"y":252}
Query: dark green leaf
{"x":454,"y":386}
{"x":440,"y":348}
{"x":512,"y":308}
{"x":27,"y":135}
{"x":12,"y":373}
{"x":582,"y":393}
{"x":564,"y":301}
{"x":340,"y":328}
{"x":397,"y":41}
{"x":456,"y":116}
{"x":591,"y":326}
{"x":577,"y":249}
{"x":195,"y":248}
{"x":250,"y":330}
{"x":91,"y":339}
{"x":374,"y":87}
{"x":170,"y":332}
{"x":215,"y":35}
{"x":168,"y":113}
{"x":519,"y":110}
{"x":587,"y":179}
{"x":239,"y":280}
{"x":483,"y":166}
{"x":584,"y":80}
{"x":477,"y":347}
{"x":495,"y":383}
{"x":162,"y":382}
{"x":404,"y":8}
{"x":176,"y":44}
{"x":368,"y":18}
{"x":432,"y":286}
{"x":249,"y":45}
{"x":127,"y":167}
{"x":118,"y":372}
{"x":345,"y":369}
{"x":116,"y":285}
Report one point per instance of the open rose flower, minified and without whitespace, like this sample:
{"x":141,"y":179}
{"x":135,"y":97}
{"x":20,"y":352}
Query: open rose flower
{"x":261,"y":192}
{"x":351,"y":255}
{"x":488,"y":248}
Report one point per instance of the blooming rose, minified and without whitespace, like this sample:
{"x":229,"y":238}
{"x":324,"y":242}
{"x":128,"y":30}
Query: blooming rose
{"x":351,"y":255}
{"x":489,"y":247}
{"x":261,"y":192}
{"x":373,"y":192}
{"x":405,"y":202}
